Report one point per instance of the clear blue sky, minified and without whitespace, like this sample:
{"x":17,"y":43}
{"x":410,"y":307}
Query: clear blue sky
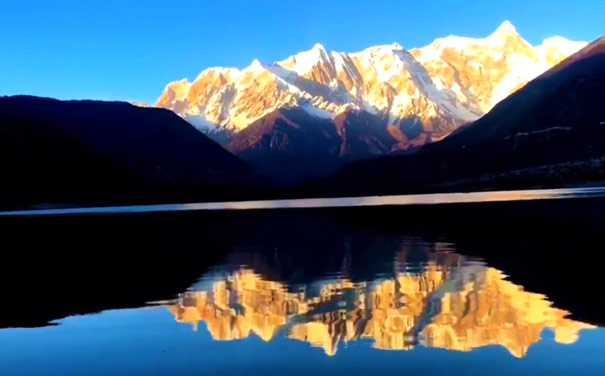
{"x":129,"y":50}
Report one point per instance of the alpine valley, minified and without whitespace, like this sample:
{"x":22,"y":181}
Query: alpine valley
{"x":303,"y":117}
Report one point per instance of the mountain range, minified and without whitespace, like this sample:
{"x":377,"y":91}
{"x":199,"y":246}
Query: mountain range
{"x":317,"y":109}
{"x":549,"y":132}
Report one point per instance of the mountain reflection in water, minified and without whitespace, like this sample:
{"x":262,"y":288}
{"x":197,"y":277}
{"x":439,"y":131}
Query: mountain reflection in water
{"x":445,"y":301}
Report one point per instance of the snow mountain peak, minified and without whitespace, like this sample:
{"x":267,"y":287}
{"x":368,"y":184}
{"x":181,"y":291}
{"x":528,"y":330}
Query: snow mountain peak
{"x":319,"y":48}
{"x":256,"y":66}
{"x":506,"y":28}
{"x":425,"y":92}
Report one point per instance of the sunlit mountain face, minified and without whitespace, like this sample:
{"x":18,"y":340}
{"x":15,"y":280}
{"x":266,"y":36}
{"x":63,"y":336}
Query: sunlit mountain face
{"x":317,"y":109}
{"x":441,"y":299}
{"x":416,"y":95}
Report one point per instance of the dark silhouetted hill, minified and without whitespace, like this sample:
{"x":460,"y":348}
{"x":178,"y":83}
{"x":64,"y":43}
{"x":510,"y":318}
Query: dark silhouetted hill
{"x":55,"y":151}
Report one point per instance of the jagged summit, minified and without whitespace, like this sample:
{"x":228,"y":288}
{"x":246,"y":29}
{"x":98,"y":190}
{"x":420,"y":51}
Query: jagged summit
{"x":319,"y":48}
{"x":507,"y":37}
{"x":505,"y":28}
{"x":256,"y":65}
{"x":227,"y":72}
{"x":450,"y":82}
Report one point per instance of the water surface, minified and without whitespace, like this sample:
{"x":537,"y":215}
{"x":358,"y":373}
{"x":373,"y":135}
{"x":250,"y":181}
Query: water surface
{"x":425,"y":310}
{"x":393,"y":200}
{"x":507,"y":287}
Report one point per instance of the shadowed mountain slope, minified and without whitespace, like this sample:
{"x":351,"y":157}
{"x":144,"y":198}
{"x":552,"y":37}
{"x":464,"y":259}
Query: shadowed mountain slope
{"x":90,"y":151}
{"x":290,"y":145}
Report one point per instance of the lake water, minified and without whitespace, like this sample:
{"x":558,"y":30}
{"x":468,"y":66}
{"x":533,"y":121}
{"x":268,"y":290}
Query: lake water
{"x":415,"y":199}
{"x":438,"y":291}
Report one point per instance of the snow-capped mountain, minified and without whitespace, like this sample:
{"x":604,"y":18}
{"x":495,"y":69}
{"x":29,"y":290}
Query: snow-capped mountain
{"x":549,"y":133}
{"x":452,"y":81}
{"x":305,"y":115}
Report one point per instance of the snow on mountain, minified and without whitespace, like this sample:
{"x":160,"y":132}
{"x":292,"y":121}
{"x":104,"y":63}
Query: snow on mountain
{"x":452,"y":81}
{"x":487,"y":70}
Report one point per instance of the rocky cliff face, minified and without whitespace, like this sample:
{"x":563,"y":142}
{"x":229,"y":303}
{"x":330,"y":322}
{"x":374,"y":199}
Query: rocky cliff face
{"x":449,"y":303}
{"x":317,"y":109}
{"x":452,"y":81}
{"x":548,"y":133}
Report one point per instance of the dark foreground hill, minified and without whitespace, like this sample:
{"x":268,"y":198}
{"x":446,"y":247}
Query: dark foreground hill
{"x":55,"y":151}
{"x":551,"y":132}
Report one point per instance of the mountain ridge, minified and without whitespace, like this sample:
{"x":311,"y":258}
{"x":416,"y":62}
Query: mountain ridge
{"x":387,"y":79}
{"x":95,"y":151}
{"x":406,"y":98}
{"x":549,"y":133}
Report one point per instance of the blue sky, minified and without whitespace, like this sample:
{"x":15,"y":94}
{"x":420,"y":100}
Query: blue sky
{"x":129,"y":50}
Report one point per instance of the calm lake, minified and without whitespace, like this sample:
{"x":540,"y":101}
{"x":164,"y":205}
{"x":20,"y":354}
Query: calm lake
{"x":509,"y":285}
